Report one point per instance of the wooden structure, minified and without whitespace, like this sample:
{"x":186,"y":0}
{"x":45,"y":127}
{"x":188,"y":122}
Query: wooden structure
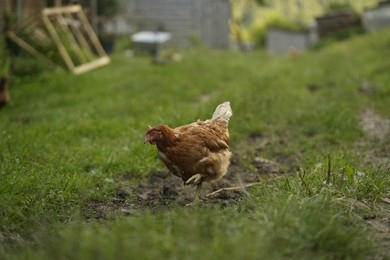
{"x":72,"y":22}
{"x":335,"y":22}
{"x":22,"y":9}
{"x":191,"y":22}
{"x":68,"y":28}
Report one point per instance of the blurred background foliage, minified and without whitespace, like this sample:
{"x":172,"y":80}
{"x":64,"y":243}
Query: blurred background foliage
{"x":251,"y":18}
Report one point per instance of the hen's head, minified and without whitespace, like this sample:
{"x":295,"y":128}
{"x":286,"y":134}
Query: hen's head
{"x":153,"y":135}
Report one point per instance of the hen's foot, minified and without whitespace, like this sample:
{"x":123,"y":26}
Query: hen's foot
{"x":196,"y":197}
{"x":195,"y":179}
{"x":194,"y":203}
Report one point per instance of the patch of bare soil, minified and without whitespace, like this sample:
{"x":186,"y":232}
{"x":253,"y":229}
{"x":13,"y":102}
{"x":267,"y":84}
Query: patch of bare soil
{"x":380,"y":225}
{"x":162,"y":189}
{"x":375,"y":148}
{"x":119,"y":204}
{"x":374,"y":125}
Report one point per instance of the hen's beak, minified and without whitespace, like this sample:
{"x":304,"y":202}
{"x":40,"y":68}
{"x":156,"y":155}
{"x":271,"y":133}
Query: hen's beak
{"x":148,"y":138}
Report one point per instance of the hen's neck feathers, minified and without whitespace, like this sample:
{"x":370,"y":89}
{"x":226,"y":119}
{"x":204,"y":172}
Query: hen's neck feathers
{"x":169,"y":137}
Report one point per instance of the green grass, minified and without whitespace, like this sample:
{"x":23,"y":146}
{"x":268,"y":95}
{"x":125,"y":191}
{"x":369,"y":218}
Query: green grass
{"x":64,"y":136}
{"x":276,"y":231}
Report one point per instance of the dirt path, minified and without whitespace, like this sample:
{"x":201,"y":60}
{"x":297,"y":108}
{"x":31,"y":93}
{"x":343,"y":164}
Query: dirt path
{"x":375,"y":146}
{"x":376,"y":150}
{"x":374,"y":125}
{"x":380,"y":225}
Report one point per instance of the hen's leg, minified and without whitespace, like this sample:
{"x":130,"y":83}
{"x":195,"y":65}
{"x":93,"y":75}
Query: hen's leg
{"x":195,"y":179}
{"x":196,"y":197}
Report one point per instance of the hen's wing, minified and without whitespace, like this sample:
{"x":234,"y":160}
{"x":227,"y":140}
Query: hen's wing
{"x":210,"y":134}
{"x":197,"y":149}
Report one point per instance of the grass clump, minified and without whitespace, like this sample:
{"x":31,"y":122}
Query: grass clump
{"x":283,"y":227}
{"x":312,"y":226}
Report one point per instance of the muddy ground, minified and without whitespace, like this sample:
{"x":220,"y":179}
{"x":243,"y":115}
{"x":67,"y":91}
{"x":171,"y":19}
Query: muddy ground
{"x":162,"y":189}
{"x":375,"y":147}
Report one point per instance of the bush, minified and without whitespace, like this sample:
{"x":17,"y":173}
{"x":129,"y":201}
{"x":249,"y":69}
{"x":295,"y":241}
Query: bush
{"x":287,"y":24}
{"x":25,"y":65}
{"x":258,"y":32}
{"x":339,"y":36}
{"x":337,"y":6}
{"x":4,"y":59}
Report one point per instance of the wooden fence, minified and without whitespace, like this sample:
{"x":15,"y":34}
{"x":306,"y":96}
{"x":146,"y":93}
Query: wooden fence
{"x":335,"y":22}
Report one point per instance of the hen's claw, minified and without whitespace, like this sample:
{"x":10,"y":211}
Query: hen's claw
{"x":195,"y":179}
{"x":195,"y":202}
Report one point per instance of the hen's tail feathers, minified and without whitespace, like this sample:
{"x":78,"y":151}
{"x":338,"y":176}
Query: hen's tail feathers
{"x":223,"y":112}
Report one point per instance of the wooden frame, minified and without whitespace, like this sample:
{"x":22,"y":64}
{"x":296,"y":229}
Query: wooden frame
{"x":69,"y":29}
{"x":62,"y":21}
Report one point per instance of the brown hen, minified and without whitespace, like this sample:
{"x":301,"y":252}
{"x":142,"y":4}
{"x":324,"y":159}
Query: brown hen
{"x":195,"y":152}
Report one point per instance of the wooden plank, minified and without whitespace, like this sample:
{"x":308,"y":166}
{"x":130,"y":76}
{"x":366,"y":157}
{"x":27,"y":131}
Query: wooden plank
{"x":61,"y":10}
{"x":31,"y":21}
{"x":81,"y":40}
{"x":50,"y":27}
{"x":30,"y":49}
{"x":67,"y":29}
{"x":92,"y":35}
{"x":91,"y":65}
{"x":40,"y":35}
{"x":336,"y":22}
